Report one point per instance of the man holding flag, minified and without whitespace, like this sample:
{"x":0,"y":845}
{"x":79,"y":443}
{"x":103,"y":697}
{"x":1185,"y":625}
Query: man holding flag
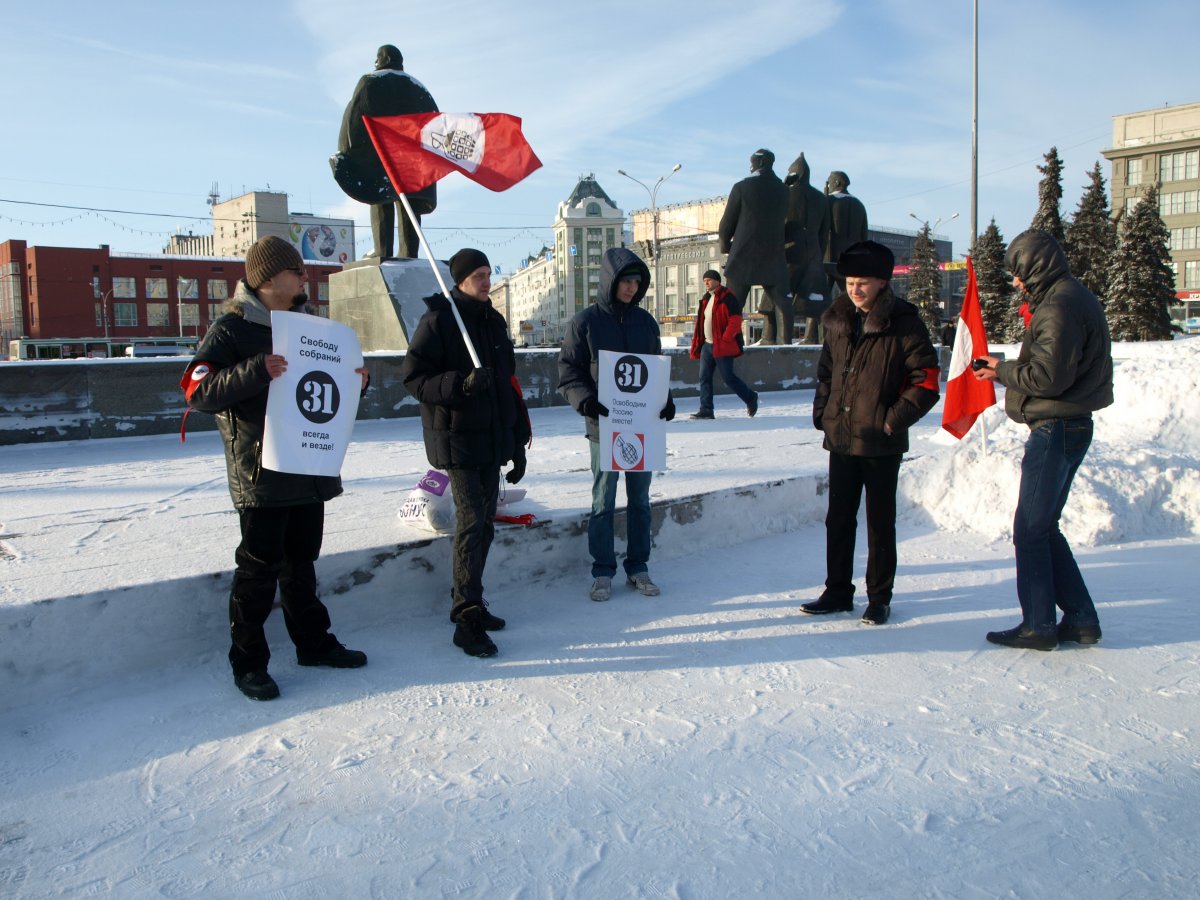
{"x":1063,"y":373}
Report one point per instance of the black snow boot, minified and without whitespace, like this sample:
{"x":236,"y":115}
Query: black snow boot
{"x":470,"y":633}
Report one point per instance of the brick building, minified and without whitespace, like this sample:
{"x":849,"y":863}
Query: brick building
{"x":92,"y":302}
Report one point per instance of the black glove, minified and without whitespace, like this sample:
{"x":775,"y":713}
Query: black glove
{"x":593,"y":408}
{"x":668,"y":411}
{"x":478,"y":382}
{"x":518,"y":462}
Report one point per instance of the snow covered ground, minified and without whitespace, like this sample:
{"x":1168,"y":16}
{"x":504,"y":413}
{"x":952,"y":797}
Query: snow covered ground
{"x":709,"y":743}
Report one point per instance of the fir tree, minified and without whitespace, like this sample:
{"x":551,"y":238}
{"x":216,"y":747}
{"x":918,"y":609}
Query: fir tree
{"x":925,"y":281}
{"x":996,"y":303}
{"x":1092,"y":237}
{"x":1048,"y":218}
{"x":1141,"y":283}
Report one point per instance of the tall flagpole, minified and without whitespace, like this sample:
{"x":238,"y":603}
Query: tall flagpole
{"x":975,"y":131}
{"x":437,"y":273}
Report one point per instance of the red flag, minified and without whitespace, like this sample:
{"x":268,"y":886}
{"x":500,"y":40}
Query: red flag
{"x":419,"y":149}
{"x":967,"y":396}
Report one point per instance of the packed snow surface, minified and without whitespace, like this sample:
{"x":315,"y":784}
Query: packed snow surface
{"x":709,"y":743}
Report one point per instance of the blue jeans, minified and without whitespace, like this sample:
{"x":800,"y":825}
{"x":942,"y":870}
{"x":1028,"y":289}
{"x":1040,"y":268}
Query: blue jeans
{"x":601,"y":538}
{"x":1047,"y":575}
{"x":724,"y":364}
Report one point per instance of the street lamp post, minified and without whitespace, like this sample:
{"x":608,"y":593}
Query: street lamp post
{"x":933,"y":227}
{"x":654,"y":219}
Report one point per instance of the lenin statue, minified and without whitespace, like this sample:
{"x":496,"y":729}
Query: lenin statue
{"x":806,"y":233}
{"x":751,"y":232}
{"x":388,"y":91}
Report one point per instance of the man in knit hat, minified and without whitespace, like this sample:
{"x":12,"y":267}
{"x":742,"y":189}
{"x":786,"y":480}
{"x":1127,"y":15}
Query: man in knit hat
{"x":474,"y":421}
{"x":878,"y":374}
{"x":281,"y":515}
{"x":717,"y":342}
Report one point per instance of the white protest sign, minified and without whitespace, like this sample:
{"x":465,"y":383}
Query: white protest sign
{"x":311,"y":407}
{"x":634,"y":388}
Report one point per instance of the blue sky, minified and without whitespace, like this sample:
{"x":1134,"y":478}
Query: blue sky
{"x":141,"y":107}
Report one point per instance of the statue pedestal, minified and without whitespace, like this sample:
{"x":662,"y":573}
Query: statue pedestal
{"x":383,"y":302}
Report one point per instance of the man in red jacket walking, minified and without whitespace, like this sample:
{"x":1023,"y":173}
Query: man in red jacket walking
{"x":717,"y":342}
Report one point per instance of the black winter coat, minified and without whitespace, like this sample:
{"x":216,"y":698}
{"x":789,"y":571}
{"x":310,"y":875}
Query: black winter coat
{"x":1065,"y":367}
{"x":483,"y":430}
{"x":889,"y":375}
{"x":607,"y":324}
{"x":751,"y":231}
{"x":228,"y":377}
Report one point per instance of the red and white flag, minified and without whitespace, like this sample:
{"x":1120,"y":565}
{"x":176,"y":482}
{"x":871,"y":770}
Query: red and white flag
{"x":419,"y":149}
{"x":967,"y":396}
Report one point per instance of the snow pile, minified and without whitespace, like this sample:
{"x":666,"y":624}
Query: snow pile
{"x":1140,"y":480}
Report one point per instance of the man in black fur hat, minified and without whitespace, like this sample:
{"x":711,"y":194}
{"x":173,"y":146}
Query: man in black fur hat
{"x":877,"y":376}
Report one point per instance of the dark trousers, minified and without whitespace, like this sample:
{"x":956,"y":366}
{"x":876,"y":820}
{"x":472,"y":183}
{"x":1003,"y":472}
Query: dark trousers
{"x":710,"y":363}
{"x":383,"y":230}
{"x":848,"y":476}
{"x":475,"y":494}
{"x":776,"y":309}
{"x":1047,"y":574}
{"x":279,"y":546}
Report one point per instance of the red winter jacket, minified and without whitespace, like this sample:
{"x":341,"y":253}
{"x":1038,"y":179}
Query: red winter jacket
{"x":726,"y":326}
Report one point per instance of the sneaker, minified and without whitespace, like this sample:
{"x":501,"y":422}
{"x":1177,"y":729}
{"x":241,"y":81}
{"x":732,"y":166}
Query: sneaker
{"x":703,"y":414}
{"x":641,"y":583}
{"x":1078,"y":634}
{"x":335,"y":657}
{"x":469,"y":633}
{"x":877,"y":613}
{"x":1024,"y":638}
{"x":752,"y":406}
{"x":826,"y":605}
{"x":601,"y":588}
{"x":257,"y":685}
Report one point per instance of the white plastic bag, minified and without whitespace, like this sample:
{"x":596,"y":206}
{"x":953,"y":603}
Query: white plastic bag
{"x":429,"y":505}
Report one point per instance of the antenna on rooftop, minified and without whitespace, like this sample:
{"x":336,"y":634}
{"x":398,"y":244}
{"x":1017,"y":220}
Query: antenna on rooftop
{"x":213,"y":195}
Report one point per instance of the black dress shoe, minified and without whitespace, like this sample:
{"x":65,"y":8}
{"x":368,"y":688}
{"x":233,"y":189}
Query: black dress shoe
{"x":703,"y":414}
{"x":877,"y":613}
{"x":1023,"y":638}
{"x":1078,"y":634}
{"x":827,"y":605}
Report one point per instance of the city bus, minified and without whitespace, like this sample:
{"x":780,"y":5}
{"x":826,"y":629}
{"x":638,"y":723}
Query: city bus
{"x":99,"y":348}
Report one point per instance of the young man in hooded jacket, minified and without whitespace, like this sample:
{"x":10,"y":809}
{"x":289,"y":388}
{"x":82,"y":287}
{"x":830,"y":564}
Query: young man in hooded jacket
{"x":616,"y":321}
{"x":877,"y":376}
{"x":474,"y":421}
{"x":281,"y":515}
{"x":1062,"y":374}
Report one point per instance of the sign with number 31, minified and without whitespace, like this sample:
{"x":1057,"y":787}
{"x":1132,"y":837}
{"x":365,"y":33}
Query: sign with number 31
{"x":634,"y":388}
{"x":312,"y":406}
